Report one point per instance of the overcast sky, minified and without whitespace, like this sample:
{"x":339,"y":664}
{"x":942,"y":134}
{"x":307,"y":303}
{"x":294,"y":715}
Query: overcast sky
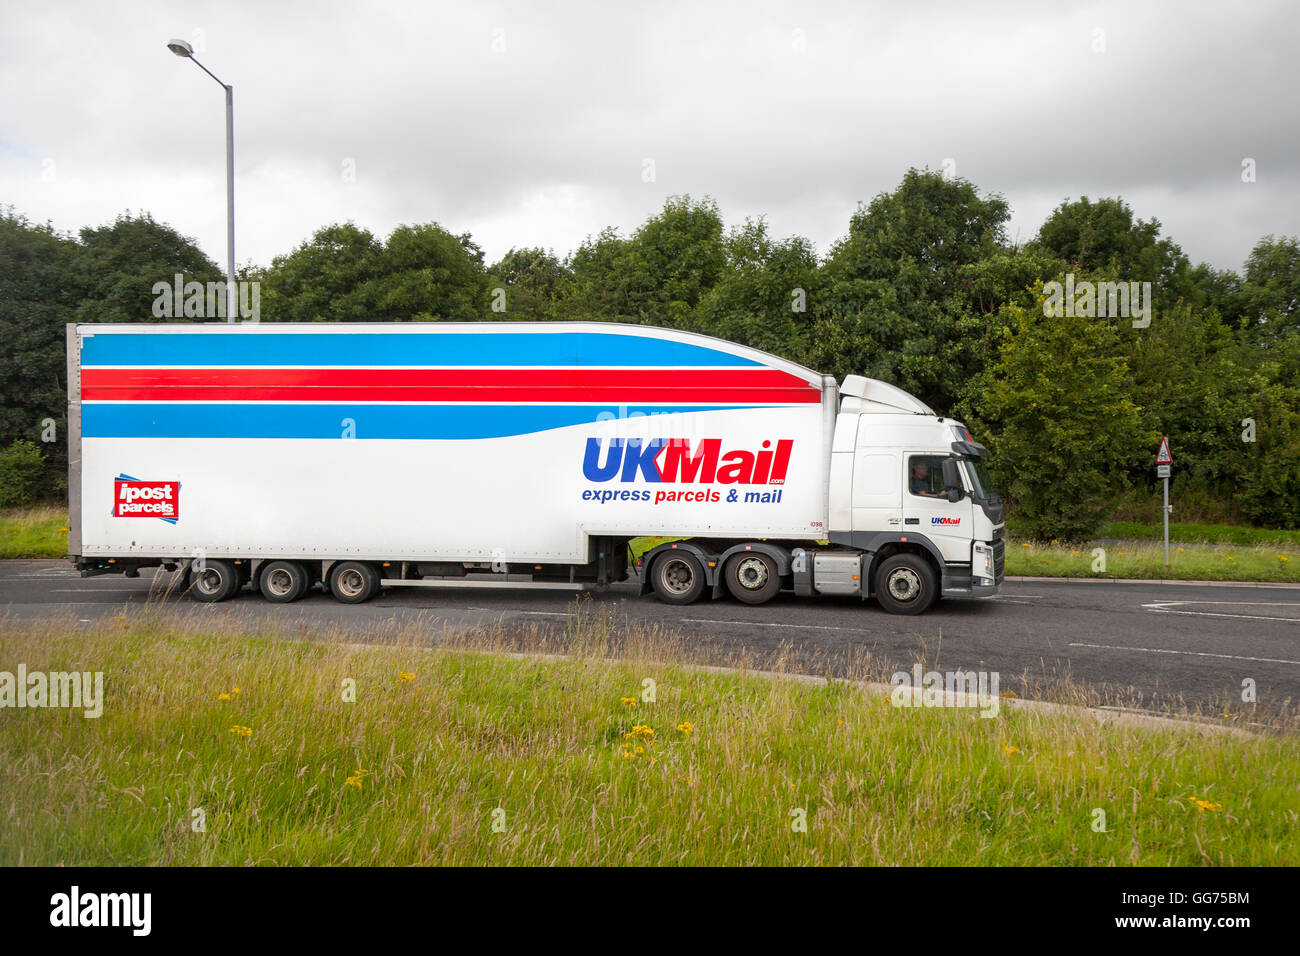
{"x":531,"y":123}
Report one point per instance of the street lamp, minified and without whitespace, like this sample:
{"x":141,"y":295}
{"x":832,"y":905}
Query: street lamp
{"x":181,"y":48}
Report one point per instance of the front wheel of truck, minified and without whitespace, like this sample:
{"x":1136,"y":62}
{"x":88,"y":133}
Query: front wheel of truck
{"x":906,"y":584}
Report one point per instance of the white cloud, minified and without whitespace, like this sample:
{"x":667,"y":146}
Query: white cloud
{"x":796,"y":113}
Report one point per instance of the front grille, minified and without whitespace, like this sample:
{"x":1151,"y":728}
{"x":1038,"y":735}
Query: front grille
{"x":999,"y":560}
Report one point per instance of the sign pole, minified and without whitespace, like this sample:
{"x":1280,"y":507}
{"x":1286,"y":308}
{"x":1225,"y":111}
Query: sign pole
{"x":1164,"y":464}
{"x":1166,"y":522}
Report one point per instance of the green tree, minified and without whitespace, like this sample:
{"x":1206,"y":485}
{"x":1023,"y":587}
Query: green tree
{"x":22,"y":474}
{"x":897,"y":305}
{"x":118,"y":266}
{"x":321,"y":280}
{"x":534,"y":281}
{"x":1055,"y":410}
{"x":659,"y":274}
{"x":344,"y":274}
{"x":1104,"y":237}
{"x":765,"y":293}
{"x":1271,"y":290}
{"x":38,"y":297}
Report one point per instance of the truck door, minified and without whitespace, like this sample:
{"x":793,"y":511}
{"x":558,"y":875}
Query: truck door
{"x":927,"y":510}
{"x":877,"y":488}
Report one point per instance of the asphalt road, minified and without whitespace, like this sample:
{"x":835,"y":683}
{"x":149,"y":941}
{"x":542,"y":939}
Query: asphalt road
{"x":1147,"y":646}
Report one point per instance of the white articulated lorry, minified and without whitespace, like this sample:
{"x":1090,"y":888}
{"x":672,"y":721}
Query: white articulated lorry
{"x":512,"y":455}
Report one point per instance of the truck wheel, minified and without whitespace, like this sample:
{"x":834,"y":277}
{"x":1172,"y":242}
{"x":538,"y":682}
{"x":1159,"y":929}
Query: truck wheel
{"x":905,"y":584}
{"x":677,"y":577}
{"x":752,"y":577}
{"x":282,"y":582}
{"x":353,"y":582}
{"x":217,"y":581}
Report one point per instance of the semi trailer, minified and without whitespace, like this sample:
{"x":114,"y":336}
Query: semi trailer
{"x":573,"y":455}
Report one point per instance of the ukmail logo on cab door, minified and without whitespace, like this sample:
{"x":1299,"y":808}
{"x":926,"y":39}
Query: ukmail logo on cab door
{"x":133,"y":498}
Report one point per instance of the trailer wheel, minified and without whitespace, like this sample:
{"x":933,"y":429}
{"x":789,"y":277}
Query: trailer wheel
{"x":677,"y":577}
{"x":905,"y":584}
{"x":282,"y":582}
{"x":353,"y":582}
{"x":752,"y":577}
{"x":217,"y":581}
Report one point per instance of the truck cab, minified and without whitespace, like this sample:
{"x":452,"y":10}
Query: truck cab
{"x":906,"y":481}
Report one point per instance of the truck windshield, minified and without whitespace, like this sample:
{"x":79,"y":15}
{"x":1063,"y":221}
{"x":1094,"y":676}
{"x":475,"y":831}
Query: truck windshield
{"x":978,"y":473}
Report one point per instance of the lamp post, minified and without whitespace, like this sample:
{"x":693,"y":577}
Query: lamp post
{"x":181,"y":48}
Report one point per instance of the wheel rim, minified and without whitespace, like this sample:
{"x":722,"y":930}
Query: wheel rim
{"x":279,"y":582}
{"x":677,"y":576}
{"x":904,"y":584}
{"x":208,"y":581}
{"x":752,"y":574}
{"x":351,"y":582}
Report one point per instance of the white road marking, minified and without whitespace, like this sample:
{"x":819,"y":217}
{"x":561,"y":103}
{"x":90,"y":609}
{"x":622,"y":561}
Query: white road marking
{"x":1165,"y":650}
{"x":106,"y":590}
{"x":1173,"y":607}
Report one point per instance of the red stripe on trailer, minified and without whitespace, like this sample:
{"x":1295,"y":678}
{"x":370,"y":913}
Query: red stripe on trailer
{"x":624,"y":386}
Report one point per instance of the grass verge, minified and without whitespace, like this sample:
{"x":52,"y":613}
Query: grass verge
{"x":465,"y":755}
{"x":1188,"y":562}
{"x":37,"y":532}
{"x":1202,"y":534}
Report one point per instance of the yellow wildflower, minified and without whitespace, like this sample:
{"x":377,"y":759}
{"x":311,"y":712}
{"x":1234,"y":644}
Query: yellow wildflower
{"x":687,"y":727}
{"x":1011,"y":749}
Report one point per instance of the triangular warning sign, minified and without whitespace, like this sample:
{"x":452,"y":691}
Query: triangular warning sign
{"x":1162,"y":456}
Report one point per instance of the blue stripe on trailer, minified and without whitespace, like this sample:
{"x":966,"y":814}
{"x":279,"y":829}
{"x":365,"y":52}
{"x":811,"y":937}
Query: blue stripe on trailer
{"x":111,"y":420}
{"x":398,"y":348}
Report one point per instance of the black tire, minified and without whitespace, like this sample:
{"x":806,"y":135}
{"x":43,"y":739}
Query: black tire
{"x":283,"y":582}
{"x":217,"y":581}
{"x":354,"y":582}
{"x":677,"y":577}
{"x":752,"y":577}
{"x":906,"y":584}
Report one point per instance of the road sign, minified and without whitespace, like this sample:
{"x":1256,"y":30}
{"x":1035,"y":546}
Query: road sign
{"x":1163,"y":462}
{"x":1162,"y":456}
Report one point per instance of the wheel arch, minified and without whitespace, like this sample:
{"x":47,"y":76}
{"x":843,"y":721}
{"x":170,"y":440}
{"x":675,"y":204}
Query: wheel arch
{"x":695,"y":549}
{"x":778,"y":554}
{"x":885,"y":544}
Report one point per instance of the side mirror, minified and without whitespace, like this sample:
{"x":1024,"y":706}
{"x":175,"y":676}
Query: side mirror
{"x":952,"y":480}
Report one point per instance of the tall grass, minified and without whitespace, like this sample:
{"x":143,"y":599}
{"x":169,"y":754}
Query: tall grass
{"x":40,"y":531}
{"x":1187,"y":562}
{"x":457,"y":752}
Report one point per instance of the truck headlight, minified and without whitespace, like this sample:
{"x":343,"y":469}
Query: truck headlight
{"x":981,"y":563}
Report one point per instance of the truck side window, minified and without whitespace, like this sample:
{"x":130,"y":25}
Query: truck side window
{"x":925,"y":476}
